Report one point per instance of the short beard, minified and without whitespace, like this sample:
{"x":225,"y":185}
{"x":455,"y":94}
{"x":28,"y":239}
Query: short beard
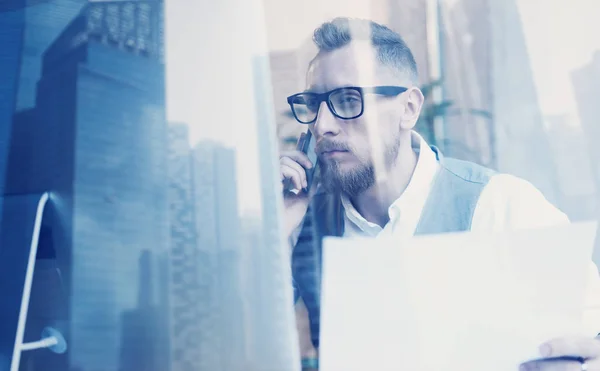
{"x":351,"y":183}
{"x":356,"y":181}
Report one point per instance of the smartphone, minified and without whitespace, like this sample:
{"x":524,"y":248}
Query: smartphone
{"x":307,"y":144}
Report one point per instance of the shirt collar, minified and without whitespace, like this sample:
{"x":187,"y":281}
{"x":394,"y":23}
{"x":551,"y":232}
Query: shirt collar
{"x":417,"y":191}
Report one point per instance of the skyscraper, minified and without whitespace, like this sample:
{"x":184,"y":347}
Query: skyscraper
{"x":207,"y":319}
{"x":230,"y":263}
{"x":12,"y":23}
{"x":186,"y":297}
{"x":220,"y":258}
{"x":205,"y":205}
{"x":98,"y":144}
{"x":466,"y":65}
{"x":518,"y":122}
{"x":586,"y":83}
{"x":287,"y":72}
{"x":575,"y":183}
{"x":44,"y":21}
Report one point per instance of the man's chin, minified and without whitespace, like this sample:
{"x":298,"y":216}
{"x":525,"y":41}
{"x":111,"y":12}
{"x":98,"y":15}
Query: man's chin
{"x":339,"y":169}
{"x":344,"y":183}
{"x":351,"y":180}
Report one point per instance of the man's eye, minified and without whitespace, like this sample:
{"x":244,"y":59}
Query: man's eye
{"x":348,"y":99}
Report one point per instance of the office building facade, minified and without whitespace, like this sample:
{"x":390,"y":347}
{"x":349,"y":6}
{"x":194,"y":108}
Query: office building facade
{"x":97,"y":143}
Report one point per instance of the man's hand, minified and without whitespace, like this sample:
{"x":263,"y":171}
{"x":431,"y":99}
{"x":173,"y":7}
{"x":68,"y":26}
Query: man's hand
{"x":588,"y":349}
{"x":292,"y":167}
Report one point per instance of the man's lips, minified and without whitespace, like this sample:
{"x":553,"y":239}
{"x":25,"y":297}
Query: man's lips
{"x":334,"y":153}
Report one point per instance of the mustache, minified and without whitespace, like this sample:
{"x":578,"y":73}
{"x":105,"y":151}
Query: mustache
{"x":328,"y":146}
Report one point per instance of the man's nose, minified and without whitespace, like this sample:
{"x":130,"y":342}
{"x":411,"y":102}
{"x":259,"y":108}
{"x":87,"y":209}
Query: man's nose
{"x":326,"y":123}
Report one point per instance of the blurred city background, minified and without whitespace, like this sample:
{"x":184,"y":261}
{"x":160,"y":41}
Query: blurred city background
{"x":157,"y":131}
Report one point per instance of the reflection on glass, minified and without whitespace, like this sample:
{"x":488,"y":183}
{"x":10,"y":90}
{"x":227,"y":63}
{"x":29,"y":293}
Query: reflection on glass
{"x":89,"y":127}
{"x":167,"y":251}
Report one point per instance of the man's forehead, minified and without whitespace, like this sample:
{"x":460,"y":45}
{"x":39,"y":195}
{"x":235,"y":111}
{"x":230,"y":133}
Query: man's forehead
{"x":353,"y":65}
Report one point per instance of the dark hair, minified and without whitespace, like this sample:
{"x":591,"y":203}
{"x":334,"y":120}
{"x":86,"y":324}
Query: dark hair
{"x":391,"y":48}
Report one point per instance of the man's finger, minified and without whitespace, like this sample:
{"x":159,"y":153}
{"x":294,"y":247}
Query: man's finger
{"x":551,"y":366}
{"x":571,"y":346}
{"x":292,"y":175}
{"x":288,"y":162}
{"x":590,"y":365}
{"x":298,"y":157}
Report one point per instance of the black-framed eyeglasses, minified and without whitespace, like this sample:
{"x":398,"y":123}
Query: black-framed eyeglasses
{"x":346,"y":103}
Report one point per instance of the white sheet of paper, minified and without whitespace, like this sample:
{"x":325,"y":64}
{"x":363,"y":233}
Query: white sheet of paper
{"x":462,"y":301}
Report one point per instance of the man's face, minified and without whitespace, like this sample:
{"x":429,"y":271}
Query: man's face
{"x":352,"y":151}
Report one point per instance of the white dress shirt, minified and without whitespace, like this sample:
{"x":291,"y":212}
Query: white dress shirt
{"x":506,"y":203}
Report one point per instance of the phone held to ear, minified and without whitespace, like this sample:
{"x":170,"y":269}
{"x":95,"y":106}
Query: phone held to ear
{"x":306,"y":144}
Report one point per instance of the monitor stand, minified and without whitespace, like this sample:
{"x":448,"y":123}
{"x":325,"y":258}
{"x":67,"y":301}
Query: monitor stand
{"x":20,"y":225}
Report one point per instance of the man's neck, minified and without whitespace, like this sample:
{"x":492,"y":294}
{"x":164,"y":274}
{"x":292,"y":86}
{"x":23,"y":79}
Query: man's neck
{"x":373,"y":204}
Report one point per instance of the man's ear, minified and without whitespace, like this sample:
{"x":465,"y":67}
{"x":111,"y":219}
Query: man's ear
{"x":413,"y":104}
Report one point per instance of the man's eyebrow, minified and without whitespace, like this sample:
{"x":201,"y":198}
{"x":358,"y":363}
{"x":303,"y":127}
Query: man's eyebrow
{"x":312,"y":89}
{"x":320,"y":89}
